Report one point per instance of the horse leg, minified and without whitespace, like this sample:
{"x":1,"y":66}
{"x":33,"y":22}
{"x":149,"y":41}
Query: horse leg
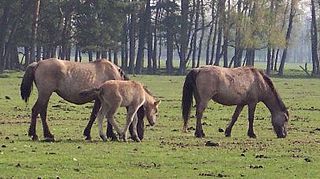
{"x":140,"y":123}
{"x":32,"y":128}
{"x":100,"y":117}
{"x":199,"y":112}
{"x":233,"y":120}
{"x":133,"y":125}
{"x":40,"y":107}
{"x":130,"y":115}
{"x":251,"y":110}
{"x":48,"y":137}
{"x":93,"y":115}
{"x":110,"y":133}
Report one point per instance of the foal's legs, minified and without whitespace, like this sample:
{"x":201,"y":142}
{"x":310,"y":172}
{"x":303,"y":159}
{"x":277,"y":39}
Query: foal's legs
{"x":110,"y":133}
{"x":233,"y":120}
{"x":100,"y":118}
{"x":132,"y":111}
{"x":134,"y":134}
{"x":199,"y":113}
{"x":251,"y":110}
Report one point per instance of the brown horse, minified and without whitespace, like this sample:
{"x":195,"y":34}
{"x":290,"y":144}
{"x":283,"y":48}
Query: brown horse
{"x":68,"y":79}
{"x":114,"y":94}
{"x":232,"y":86}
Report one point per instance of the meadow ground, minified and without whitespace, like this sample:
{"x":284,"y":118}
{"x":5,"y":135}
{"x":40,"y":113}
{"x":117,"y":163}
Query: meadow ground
{"x":165,"y":152}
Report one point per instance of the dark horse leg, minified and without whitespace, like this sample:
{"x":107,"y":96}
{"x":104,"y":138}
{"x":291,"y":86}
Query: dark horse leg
{"x":251,"y":110}
{"x":233,"y":120}
{"x":40,"y":107}
{"x":199,"y":112}
{"x":140,"y":124}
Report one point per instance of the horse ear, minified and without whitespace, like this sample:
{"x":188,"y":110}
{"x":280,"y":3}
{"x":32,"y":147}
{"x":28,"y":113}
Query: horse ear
{"x":157,"y":102}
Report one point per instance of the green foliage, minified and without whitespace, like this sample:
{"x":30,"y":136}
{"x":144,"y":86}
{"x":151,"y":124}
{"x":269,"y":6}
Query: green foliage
{"x":98,"y":24}
{"x":165,"y":152}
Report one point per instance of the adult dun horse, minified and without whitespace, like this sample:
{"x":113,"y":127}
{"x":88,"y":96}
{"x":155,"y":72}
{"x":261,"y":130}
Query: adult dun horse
{"x":130,"y":94}
{"x":233,"y":86}
{"x":68,"y":79}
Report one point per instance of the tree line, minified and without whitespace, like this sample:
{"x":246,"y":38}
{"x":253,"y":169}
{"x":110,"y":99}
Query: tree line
{"x":136,"y":34}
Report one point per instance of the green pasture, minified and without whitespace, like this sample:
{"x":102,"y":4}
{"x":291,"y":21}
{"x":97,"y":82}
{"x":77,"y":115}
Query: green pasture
{"x":165,"y":152}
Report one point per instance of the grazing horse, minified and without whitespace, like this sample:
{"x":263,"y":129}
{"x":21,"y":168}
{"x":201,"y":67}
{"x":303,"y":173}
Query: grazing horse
{"x":233,"y":86}
{"x":67,"y":79}
{"x":114,"y":94}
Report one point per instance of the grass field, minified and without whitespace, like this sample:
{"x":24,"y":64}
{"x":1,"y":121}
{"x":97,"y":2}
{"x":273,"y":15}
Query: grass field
{"x":165,"y":152}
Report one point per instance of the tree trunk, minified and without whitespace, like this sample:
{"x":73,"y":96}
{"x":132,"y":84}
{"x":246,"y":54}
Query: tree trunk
{"x":184,"y":35}
{"x":141,"y":41}
{"x":76,"y":54}
{"x":314,"y":41}
{"x":124,"y":47}
{"x":284,"y":54}
{"x":195,"y":34}
{"x":115,"y":57}
{"x":34,"y":34}
{"x":169,"y":61}
{"x":210,"y":34}
{"x":268,"y":69}
{"x":90,"y":55}
{"x":155,"y":40}
{"x":237,"y":49}
{"x":221,"y":9}
{"x":202,"y":33}
{"x":4,"y":25}
{"x":132,"y":42}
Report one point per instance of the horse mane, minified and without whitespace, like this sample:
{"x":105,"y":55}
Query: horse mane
{"x":147,"y":91}
{"x":275,"y":92}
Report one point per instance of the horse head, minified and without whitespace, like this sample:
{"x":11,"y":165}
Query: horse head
{"x":280,"y":122}
{"x":152,"y":112}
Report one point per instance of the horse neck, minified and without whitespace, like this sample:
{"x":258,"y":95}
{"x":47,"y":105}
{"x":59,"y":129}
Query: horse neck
{"x":272,"y":102}
{"x":148,"y":98}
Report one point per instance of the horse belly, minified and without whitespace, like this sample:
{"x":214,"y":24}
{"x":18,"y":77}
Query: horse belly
{"x":228,"y":99}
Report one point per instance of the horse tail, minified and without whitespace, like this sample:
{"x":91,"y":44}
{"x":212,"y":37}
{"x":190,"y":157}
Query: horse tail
{"x":123,"y":75}
{"x":27,"y":81}
{"x":90,"y":92}
{"x":187,"y":96}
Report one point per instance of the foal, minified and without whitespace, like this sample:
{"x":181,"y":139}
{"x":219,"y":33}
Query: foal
{"x":114,"y":94}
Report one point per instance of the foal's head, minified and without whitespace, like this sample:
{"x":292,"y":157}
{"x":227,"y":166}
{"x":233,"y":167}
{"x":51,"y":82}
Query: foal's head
{"x":151,"y":107}
{"x":151,"y":111}
{"x":280,"y":122}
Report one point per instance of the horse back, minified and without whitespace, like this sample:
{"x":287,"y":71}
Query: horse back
{"x":68,"y":78}
{"x":125,"y":93}
{"x":230,"y":86}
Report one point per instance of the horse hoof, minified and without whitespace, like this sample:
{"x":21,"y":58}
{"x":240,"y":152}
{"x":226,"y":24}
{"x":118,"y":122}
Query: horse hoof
{"x":35,"y":138}
{"x":136,"y":139}
{"x":104,"y":138}
{"x":88,"y":138}
{"x":199,"y":134}
{"x":49,"y":139}
{"x":252,"y":135}
{"x":227,"y":134}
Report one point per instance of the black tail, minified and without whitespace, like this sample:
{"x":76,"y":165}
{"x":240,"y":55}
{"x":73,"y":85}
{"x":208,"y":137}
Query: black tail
{"x":187,"y":96}
{"x":27,"y":81}
{"x":123,"y":75}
